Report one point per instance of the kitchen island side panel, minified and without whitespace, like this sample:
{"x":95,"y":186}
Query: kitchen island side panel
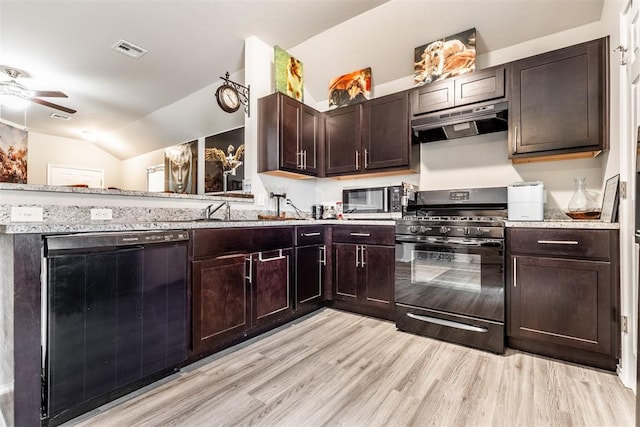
{"x":26,"y":328}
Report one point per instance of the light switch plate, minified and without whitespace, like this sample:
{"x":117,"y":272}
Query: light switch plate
{"x":26,"y":214}
{"x":261,"y":199}
{"x":101,"y":214}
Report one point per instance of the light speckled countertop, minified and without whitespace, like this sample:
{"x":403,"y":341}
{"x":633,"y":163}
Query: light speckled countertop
{"x":99,"y":226}
{"x":561,"y":223}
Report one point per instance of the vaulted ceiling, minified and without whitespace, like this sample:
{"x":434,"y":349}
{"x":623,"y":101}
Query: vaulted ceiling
{"x":66,"y":45}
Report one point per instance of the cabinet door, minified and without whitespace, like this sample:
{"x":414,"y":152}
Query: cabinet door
{"x":309,"y":274}
{"x":433,"y":97}
{"x":386,"y":132}
{"x":379,"y":275}
{"x":346,"y":271}
{"x":309,"y":140}
{"x":219,"y":309}
{"x":561,"y":301}
{"x":343,"y":140}
{"x":270,"y":285}
{"x":480,"y":86}
{"x":558,"y":100}
{"x":290,"y":111}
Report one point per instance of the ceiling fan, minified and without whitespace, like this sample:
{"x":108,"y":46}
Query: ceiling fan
{"x":13,"y":93}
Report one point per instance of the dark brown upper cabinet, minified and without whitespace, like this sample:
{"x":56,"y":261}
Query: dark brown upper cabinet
{"x":289,"y":137}
{"x":478,"y":86}
{"x":559,"y":104}
{"x":372,"y":137}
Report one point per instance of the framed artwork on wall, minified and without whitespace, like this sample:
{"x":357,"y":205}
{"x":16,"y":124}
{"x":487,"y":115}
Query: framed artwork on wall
{"x":180,"y":168}
{"x":224,"y":161}
{"x":13,"y":154}
{"x":447,"y":57}
{"x":288,"y":73}
{"x":350,"y":89}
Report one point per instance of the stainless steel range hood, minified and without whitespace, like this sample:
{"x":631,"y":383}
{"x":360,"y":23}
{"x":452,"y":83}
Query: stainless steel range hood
{"x":460,"y":122}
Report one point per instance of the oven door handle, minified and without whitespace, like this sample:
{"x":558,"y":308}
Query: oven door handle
{"x":449,"y":323}
{"x":492,"y":243}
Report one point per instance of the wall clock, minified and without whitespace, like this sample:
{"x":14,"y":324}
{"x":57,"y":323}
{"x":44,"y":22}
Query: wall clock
{"x":228,"y":98}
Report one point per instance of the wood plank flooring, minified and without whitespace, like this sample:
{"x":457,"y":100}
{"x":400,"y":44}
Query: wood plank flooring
{"x":341,"y":369}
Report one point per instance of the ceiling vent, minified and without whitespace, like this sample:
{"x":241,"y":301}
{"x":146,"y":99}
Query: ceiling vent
{"x":60,"y":116}
{"x":129,"y":49}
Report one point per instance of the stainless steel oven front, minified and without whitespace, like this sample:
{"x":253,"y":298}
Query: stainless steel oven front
{"x":451,"y":288}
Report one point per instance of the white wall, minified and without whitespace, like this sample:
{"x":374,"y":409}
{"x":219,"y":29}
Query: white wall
{"x":134,"y":170}
{"x":47,"y":149}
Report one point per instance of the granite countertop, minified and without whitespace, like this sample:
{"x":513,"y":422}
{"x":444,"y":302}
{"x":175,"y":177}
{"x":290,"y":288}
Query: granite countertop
{"x":99,"y":226}
{"x":562,"y":223}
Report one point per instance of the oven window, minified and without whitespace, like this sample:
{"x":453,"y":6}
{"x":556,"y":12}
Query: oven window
{"x":461,"y":271}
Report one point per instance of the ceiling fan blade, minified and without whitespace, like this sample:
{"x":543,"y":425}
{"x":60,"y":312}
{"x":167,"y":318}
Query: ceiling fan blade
{"x":52,"y":105}
{"x":49,"y":94}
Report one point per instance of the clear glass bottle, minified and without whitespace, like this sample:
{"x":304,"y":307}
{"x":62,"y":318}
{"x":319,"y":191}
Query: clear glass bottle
{"x":581,"y":203}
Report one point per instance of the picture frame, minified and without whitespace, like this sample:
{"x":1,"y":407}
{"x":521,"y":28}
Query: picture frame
{"x":610,"y":199}
{"x":446,"y":57}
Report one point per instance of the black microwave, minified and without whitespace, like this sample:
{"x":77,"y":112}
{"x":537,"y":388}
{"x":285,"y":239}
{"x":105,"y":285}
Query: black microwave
{"x":372,"y":203}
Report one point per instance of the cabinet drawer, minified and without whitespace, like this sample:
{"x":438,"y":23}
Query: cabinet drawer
{"x":580,"y":243}
{"x":365,"y":234}
{"x":217,"y":241}
{"x":310,"y":235}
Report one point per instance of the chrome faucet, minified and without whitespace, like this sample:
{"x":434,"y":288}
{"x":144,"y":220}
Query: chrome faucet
{"x":210,"y":210}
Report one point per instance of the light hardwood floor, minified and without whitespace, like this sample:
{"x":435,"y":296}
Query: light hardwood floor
{"x":341,"y":369}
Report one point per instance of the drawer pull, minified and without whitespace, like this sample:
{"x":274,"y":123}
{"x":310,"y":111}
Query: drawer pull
{"x":448,"y":323}
{"x":310,"y":234}
{"x":557,"y":242}
{"x":360,"y":234}
{"x":279,"y":256}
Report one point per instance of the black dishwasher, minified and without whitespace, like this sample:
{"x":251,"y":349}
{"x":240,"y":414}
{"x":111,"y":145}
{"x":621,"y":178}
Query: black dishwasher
{"x":116,"y":307}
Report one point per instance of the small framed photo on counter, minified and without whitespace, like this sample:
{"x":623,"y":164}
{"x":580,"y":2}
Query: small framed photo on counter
{"x":610,"y":200}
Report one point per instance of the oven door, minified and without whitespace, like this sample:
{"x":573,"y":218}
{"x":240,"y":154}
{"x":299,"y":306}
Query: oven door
{"x":451,"y":275}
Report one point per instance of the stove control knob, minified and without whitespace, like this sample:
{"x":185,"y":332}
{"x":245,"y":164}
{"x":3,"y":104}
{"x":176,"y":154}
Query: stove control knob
{"x":467,"y":231}
{"x":444,"y":230}
{"x":478,"y":231}
{"x":424,"y":229}
{"x":413,"y":229}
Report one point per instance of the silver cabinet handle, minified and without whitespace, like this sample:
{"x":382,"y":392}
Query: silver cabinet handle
{"x":557,"y":242}
{"x":299,"y":162}
{"x":249,"y":277}
{"x":323,"y":252}
{"x":279,"y":256}
{"x":357,"y":256}
{"x":515,"y":277}
{"x":360,"y":234}
{"x":448,"y":323}
{"x":515,"y":140}
{"x":366,"y":162}
{"x":357,"y":160}
{"x":362,"y":263}
{"x":310,"y":234}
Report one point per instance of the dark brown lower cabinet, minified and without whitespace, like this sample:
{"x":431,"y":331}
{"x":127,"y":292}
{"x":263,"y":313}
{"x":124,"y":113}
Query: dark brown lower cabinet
{"x":219,"y":309}
{"x":561,"y":304}
{"x":310,"y":262}
{"x":270,"y":283}
{"x":364,"y":278}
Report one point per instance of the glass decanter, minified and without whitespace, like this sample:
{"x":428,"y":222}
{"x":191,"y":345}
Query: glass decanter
{"x":582,"y":205}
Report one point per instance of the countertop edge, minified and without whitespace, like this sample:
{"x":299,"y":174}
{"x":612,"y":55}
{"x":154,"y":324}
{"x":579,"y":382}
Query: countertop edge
{"x":563,"y":224}
{"x":105,"y":226}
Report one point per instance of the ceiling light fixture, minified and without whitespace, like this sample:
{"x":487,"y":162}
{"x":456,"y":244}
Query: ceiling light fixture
{"x":13,"y":94}
{"x":13,"y":100}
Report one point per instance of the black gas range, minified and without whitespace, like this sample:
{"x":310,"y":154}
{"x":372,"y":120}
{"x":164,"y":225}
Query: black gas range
{"x":450,"y":266}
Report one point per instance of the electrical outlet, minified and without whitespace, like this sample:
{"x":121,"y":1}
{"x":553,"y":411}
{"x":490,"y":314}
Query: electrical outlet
{"x":26,"y":214}
{"x":101,"y":214}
